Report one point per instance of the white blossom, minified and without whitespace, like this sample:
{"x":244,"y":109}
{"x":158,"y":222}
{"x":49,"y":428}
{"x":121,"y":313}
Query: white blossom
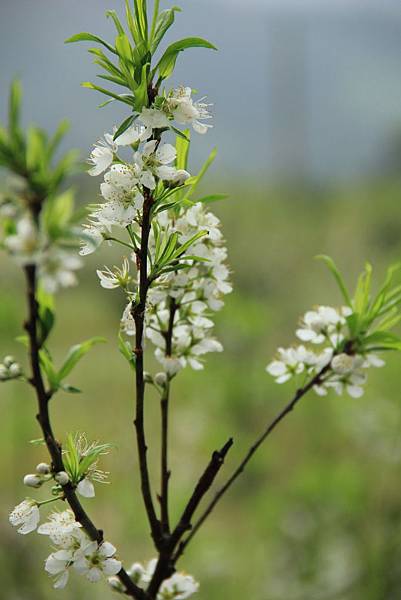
{"x":133,"y":135}
{"x":112,"y":279}
{"x":61,"y":528}
{"x":187,"y":112}
{"x":93,"y":238}
{"x":153,"y":118}
{"x":58,"y":563}
{"x":102,"y":155}
{"x":179,"y":587}
{"x":340,"y":368}
{"x":154,"y":161}
{"x":96,"y":560}
{"x":57,"y":269}
{"x":26,"y":516}
{"x":25,"y":244}
{"x":86,"y":488}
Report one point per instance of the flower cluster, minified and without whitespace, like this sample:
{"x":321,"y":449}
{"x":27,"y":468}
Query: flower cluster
{"x":178,"y":106}
{"x":189,"y":296}
{"x":342,"y":368}
{"x":179,"y":586}
{"x":10,"y":369}
{"x":125,"y":182}
{"x":29,"y":245}
{"x":182,"y":300}
{"x":73,"y":548}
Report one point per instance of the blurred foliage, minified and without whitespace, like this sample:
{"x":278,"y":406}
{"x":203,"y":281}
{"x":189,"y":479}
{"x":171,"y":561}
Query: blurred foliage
{"x":317,"y":515}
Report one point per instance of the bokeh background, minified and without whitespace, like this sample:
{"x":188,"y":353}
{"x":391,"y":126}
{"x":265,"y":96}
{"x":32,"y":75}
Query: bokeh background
{"x":307,"y":101}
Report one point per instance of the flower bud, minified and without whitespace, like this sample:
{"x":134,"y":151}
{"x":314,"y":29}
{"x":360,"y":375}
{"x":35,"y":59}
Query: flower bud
{"x":15,"y":370}
{"x":8,"y":361}
{"x":32,"y":480}
{"x":43,"y":468}
{"x":62,"y":478}
{"x":116,"y":584}
{"x":147,"y":377}
{"x":342,"y":364}
{"x":4,"y":374}
{"x":161,"y":379}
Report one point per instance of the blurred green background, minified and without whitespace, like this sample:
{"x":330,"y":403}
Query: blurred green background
{"x":317,"y":515}
{"x":309,"y":144}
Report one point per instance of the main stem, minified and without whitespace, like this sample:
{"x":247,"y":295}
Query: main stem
{"x":239,"y":470}
{"x":164,"y":409}
{"x":43,"y":417}
{"x":138,"y":314}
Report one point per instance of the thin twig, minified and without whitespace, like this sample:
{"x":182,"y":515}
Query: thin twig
{"x":238,"y":471}
{"x":165,"y":564}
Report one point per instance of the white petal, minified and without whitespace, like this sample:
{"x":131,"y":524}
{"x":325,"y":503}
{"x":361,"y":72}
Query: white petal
{"x":86,"y":487}
{"x":111,"y":566}
{"x":94,"y":575}
{"x":166,"y":154}
{"x":61,"y":581}
{"x":148,"y":180}
{"x":107,"y":549}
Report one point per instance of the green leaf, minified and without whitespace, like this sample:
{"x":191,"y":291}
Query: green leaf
{"x":126,"y":350}
{"x":184,"y":247}
{"x":14,"y":110}
{"x":46,"y":314}
{"x":141,"y":92}
{"x":113,"y":15}
{"x":75,"y":354}
{"x":141,"y":18}
{"x":329,"y":262}
{"x":35,"y":148}
{"x":70,"y":389}
{"x":179,"y":133}
{"x":362,"y":292}
{"x":54,"y":143}
{"x":195,"y":181}
{"x":213,"y":198}
{"x":126,"y":98}
{"x":57,"y":213}
{"x":124,"y":126}
{"x":48,"y":367}
{"x":166,"y":64}
{"x":89,"y":37}
{"x":182,"y":145}
{"x":162,"y":25}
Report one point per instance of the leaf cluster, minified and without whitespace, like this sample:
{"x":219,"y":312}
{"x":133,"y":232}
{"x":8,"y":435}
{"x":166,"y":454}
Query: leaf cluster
{"x":129,"y":63}
{"x":31,"y":154}
{"x":373,"y":315}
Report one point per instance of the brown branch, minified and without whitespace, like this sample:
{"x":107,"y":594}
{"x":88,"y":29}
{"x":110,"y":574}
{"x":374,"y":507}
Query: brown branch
{"x":238,"y":471}
{"x":43,"y":417}
{"x":165,"y":564}
{"x":164,"y":409}
{"x":138,"y":314}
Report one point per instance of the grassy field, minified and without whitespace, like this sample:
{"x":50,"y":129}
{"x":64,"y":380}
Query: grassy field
{"x":317,"y":515}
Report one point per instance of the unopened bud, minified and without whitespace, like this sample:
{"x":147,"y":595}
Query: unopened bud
{"x":32,"y":480}
{"x":43,"y":468}
{"x":342,"y":364}
{"x":8,"y":361}
{"x":62,"y":478}
{"x":4,"y":374}
{"x":15,"y":370}
{"x":116,"y":584}
{"x":161,"y":379}
{"x":147,"y":377}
